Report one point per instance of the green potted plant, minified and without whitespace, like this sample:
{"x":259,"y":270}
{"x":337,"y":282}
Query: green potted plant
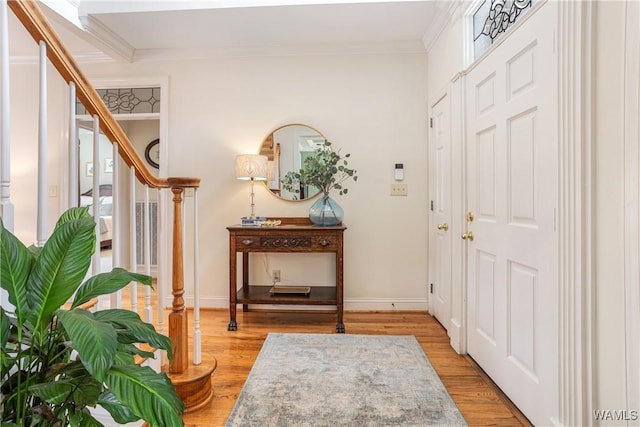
{"x":58,"y":362}
{"x":325,"y":170}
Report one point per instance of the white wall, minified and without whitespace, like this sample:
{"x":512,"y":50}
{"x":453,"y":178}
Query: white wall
{"x":372,"y":106}
{"x":444,"y":60}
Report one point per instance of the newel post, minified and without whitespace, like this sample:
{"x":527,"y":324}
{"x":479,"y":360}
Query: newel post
{"x":192,"y":382}
{"x":178,"y":328}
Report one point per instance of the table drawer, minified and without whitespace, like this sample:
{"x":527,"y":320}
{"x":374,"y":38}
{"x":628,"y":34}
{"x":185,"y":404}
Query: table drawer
{"x":287,"y":243}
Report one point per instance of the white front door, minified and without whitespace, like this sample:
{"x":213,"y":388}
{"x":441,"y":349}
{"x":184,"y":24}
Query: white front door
{"x":512,"y":191}
{"x":440,"y":208}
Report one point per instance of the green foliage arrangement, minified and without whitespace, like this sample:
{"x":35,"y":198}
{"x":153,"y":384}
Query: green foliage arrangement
{"x":325,"y":169}
{"x":56,"y":362}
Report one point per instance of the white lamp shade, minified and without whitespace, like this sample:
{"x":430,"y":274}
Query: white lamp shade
{"x":250,"y":166}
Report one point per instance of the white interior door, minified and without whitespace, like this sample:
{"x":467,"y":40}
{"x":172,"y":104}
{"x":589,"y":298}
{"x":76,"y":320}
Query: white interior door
{"x":440,"y":208}
{"x":512,"y":190}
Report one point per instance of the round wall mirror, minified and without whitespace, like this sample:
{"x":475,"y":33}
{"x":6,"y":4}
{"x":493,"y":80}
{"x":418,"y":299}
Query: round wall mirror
{"x":286,"y":148}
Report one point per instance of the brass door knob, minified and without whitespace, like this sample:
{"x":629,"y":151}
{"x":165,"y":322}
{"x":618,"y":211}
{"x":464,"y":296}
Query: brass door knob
{"x":444,"y":226}
{"x":468,"y":236}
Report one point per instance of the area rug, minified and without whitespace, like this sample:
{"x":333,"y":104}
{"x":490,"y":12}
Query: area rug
{"x":343,"y":380}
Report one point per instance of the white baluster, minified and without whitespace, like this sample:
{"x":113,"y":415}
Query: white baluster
{"x":116,"y":298}
{"x":162,"y":268}
{"x":41,"y":231}
{"x":132,"y":237}
{"x":96,"y":267}
{"x":6,"y":207}
{"x":197,"y":334}
{"x":148,"y":310}
{"x":74,"y":148}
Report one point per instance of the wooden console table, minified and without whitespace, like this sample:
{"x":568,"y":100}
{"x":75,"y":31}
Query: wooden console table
{"x":294,"y":235}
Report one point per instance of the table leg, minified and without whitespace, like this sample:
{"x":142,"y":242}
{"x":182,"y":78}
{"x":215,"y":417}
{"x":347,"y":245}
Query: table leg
{"x":245,"y":278}
{"x":233,"y":325}
{"x":340,"y":289}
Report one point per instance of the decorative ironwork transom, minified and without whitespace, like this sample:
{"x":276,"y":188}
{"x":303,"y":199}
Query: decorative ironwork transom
{"x":139,"y":100}
{"x":492,"y":18}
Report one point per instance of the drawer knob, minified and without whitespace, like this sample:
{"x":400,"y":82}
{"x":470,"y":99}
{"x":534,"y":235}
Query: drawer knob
{"x":247,"y":242}
{"x":324,"y":242}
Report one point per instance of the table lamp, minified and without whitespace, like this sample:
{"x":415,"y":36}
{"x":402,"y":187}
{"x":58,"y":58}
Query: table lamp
{"x":251,"y":167}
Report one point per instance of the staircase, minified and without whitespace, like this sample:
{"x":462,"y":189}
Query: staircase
{"x":192,"y":379}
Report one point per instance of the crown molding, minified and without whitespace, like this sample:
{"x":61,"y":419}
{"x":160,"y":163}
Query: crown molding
{"x":440,"y":21}
{"x":401,"y":47}
{"x":106,"y":39}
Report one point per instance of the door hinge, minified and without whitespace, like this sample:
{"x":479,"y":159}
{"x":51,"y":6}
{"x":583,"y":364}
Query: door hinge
{"x":431,"y":206}
{"x":431,"y":122}
{"x":430,"y":288}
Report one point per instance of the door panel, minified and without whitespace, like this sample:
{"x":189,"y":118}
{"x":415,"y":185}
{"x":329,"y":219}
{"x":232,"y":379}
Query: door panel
{"x":512,"y":189}
{"x":485,"y":320}
{"x":439,"y":233}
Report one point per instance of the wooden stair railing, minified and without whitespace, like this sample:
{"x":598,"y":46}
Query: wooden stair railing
{"x":186,"y":378}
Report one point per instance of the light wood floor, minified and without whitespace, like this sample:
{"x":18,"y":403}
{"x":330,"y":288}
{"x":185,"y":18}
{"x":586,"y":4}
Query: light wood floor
{"x":479,"y":400}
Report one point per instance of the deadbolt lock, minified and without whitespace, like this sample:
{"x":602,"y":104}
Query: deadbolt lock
{"x":470,"y":216}
{"x":444,"y":226}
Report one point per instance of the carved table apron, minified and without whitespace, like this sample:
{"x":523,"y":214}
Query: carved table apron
{"x":294,"y":235}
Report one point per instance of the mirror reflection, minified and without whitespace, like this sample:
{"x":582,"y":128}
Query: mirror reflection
{"x":286,"y":148}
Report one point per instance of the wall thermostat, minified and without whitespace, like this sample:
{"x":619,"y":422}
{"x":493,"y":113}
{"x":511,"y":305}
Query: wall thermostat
{"x":399,"y":172}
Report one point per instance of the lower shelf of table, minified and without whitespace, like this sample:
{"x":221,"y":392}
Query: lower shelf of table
{"x":319,"y":295}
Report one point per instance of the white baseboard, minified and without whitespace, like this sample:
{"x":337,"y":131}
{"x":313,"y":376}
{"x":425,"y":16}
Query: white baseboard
{"x":455,"y":333}
{"x":385,"y":304}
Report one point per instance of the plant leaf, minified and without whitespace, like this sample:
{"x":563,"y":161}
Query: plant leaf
{"x":84,"y":419}
{"x":73,"y":214}
{"x":124,"y":357}
{"x":5,"y":328}
{"x":86,"y":390}
{"x":149,"y":394}
{"x":53,"y":392}
{"x":120,"y":413}
{"x":15,"y":265}
{"x":60,"y":268}
{"x":131,"y":351}
{"x":87,"y":393}
{"x":107,"y":283}
{"x":96,"y":342}
{"x":134,"y":328}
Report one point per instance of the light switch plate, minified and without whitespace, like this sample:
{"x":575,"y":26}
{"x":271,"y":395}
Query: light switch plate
{"x":399,"y":189}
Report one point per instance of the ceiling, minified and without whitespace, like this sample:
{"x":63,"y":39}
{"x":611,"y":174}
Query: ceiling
{"x":140,"y":30}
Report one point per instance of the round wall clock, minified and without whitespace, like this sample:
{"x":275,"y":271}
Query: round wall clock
{"x":152,"y":153}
